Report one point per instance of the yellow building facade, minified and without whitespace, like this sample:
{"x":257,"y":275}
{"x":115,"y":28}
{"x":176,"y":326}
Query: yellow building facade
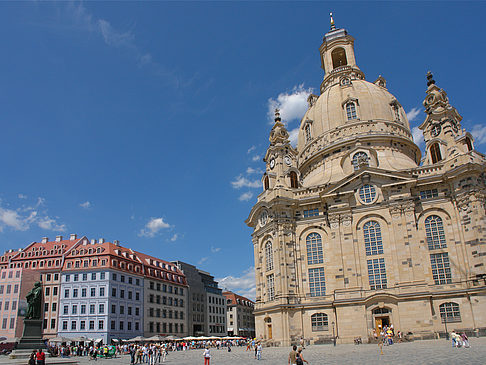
{"x":355,"y":230}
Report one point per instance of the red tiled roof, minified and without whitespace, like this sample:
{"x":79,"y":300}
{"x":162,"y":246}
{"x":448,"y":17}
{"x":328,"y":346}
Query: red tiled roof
{"x":233,"y":297}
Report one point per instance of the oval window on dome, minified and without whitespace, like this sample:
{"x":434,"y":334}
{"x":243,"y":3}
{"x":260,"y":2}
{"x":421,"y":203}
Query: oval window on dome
{"x":367,"y":194}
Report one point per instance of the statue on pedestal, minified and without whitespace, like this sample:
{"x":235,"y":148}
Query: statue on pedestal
{"x":34,"y":300}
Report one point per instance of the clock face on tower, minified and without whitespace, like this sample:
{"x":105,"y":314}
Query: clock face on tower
{"x":272,"y":163}
{"x":288,"y":160}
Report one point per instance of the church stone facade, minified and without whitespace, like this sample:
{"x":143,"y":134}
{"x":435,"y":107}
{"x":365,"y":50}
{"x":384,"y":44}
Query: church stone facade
{"x":355,"y":229}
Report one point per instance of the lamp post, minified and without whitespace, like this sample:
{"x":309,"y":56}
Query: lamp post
{"x":445,"y":326}
{"x":333,"y":336}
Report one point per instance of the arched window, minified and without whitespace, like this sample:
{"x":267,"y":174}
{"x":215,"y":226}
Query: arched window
{"x":314,"y":249}
{"x":269,"y":256}
{"x":449,"y":312}
{"x":434,"y":230}
{"x":396,"y":112}
{"x":319,"y":322}
{"x":360,"y":159}
{"x":266,"y":183}
{"x":435,"y":153}
{"x":351,"y":111}
{"x":372,"y":238}
{"x":338,"y":56}
{"x":469,"y":144}
{"x":294,"y":183}
{"x":308,"y":135}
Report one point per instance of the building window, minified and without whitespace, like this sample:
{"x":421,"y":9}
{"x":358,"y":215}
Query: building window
{"x":73,"y":325}
{"x":351,"y":111}
{"x":317,"y":282}
{"x":93,"y":275}
{"x":82,"y":325}
{"x":441,"y":270}
{"x":367,"y":193}
{"x":266,"y":183}
{"x":83,"y":308}
{"x":91,"y":325}
{"x":269,"y":256}
{"x":113,"y":292}
{"x":435,"y":153}
{"x":101,"y":325}
{"x":372,"y":238}
{"x":396,"y":111}
{"x":74,"y":309}
{"x":308,"y":135}
{"x":434,"y":230}
{"x":102,"y":292}
{"x":91,"y":309}
{"x":101,"y":309}
{"x":112,"y":325}
{"x":338,"y":57}
{"x":469,"y":144}
{"x":311,"y":213}
{"x":53,"y":324}
{"x":360,"y":159}
{"x":93,"y":292}
{"x":66,"y":309}
{"x":377,"y":273}
{"x":64,"y":325}
{"x":449,"y":312}
{"x":294,"y":182}
{"x":314,"y":249}
{"x":319,"y":322}
{"x":270,"y":287}
{"x":427,"y":194}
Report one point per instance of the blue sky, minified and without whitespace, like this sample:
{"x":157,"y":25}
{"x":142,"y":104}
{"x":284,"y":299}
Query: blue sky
{"x":146,"y":121}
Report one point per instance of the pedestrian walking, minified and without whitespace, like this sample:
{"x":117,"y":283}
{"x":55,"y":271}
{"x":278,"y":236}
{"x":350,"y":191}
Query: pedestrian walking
{"x":207,"y":355}
{"x":40,"y":357}
{"x":300,"y":358}
{"x":293,"y":356}
{"x":465,"y":340}
{"x":259,"y":351}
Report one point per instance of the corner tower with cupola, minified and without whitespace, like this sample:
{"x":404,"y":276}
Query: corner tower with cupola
{"x":354,"y":231}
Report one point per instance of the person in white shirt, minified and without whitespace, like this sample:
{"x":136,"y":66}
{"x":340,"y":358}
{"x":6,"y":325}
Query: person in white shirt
{"x":207,"y":355}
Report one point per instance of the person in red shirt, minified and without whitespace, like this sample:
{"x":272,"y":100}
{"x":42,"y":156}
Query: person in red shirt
{"x":41,"y":357}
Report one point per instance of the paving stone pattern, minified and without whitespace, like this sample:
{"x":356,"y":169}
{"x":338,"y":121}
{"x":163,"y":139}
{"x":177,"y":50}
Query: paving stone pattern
{"x":419,"y":352}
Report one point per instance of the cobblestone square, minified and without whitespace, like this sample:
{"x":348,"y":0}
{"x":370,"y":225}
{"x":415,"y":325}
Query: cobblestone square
{"x":418,"y":352}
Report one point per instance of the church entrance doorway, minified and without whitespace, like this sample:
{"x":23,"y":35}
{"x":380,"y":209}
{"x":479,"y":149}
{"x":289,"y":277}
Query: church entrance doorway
{"x":382,"y":318}
{"x":268,"y":323}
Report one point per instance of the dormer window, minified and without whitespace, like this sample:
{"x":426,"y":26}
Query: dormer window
{"x":351,"y":111}
{"x":308,"y":135}
{"x":360,"y":159}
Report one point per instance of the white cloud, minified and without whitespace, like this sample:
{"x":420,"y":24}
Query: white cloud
{"x":242,"y":181}
{"x":22,"y":196}
{"x":113,"y":37}
{"x":413,"y":114}
{"x":50,"y":224}
{"x":174,"y":237}
{"x":256,"y":158}
{"x":215,"y":249}
{"x":292,"y":105}
{"x":18,"y":221}
{"x":293,"y":136}
{"x":251,"y":149}
{"x":246,"y":196}
{"x":202,"y":260}
{"x":418,"y":137}
{"x":153,"y":226}
{"x":85,"y":205}
{"x":243,"y":285}
{"x":251,"y":170}
{"x":479,"y":133}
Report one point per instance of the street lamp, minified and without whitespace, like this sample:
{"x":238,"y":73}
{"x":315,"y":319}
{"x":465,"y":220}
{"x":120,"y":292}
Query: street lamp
{"x":445,"y":326}
{"x":333,"y":336}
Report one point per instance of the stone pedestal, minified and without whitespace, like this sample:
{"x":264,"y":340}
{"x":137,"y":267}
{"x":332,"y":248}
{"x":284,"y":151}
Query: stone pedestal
{"x":31,"y":339}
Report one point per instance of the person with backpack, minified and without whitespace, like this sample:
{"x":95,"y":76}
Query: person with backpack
{"x":299,"y":360}
{"x":293,"y":356}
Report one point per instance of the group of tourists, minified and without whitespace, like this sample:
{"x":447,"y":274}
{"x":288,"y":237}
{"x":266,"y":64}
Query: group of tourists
{"x":459,"y":340}
{"x":37,"y":357}
{"x":386,"y":335}
{"x":93,"y":351}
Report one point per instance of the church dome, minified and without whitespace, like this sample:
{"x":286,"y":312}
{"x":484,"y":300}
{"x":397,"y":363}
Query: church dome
{"x":353,"y":123}
{"x":350,"y":104}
